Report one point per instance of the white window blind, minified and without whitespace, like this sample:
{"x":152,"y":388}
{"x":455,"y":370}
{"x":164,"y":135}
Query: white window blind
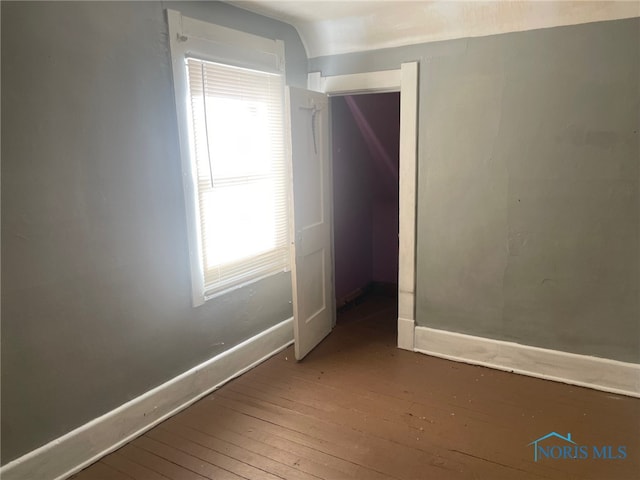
{"x":237,"y":139}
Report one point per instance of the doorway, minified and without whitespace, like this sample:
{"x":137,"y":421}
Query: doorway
{"x":365,"y":132}
{"x":310,"y":149}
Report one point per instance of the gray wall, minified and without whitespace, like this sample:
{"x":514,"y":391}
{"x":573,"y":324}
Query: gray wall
{"x":528,"y":202}
{"x":96,"y":305}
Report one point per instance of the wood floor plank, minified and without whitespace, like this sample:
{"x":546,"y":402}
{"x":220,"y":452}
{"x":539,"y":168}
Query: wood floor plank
{"x":230,"y":457}
{"x":119,"y":462}
{"x":327,"y":450}
{"x":340,"y":444}
{"x":381,"y":454}
{"x":453,"y":432}
{"x":438,"y":439}
{"x":379,"y":404}
{"x":159,"y":464}
{"x":100,"y":471}
{"x":460,"y":388}
{"x":460,"y":379}
{"x":358,"y":408}
{"x":199,"y":467}
{"x":262,"y":467}
{"x":271,"y":440}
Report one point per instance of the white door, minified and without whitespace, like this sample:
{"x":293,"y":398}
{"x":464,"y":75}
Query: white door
{"x":312,"y":272}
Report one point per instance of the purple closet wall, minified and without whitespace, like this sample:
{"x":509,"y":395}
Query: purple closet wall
{"x":352,"y":211}
{"x":366,"y":132}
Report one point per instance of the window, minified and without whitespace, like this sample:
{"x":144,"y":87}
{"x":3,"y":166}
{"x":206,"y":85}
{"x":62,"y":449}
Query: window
{"x":231,"y":120}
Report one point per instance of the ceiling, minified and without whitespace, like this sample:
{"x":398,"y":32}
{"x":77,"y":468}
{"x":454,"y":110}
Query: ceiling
{"x":335,"y":27}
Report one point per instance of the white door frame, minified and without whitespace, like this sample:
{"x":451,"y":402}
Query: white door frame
{"x":405,"y":81}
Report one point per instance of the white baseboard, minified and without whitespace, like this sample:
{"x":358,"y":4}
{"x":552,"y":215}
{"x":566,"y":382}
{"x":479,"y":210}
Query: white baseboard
{"x":583,"y":370}
{"x":72,"y":452}
{"x":405,"y":333}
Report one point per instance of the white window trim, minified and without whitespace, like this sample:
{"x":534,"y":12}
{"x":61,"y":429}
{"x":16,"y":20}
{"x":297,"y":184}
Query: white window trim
{"x":188,"y":36}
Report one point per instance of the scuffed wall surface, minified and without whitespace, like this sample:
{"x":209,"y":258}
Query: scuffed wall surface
{"x":528,"y":208}
{"x":528,"y":188}
{"x":96,"y":299}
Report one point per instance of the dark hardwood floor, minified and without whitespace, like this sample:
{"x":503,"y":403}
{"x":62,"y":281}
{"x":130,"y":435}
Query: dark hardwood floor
{"x":357,"y":407}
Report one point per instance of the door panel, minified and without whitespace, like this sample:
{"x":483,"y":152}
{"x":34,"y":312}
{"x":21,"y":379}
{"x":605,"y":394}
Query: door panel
{"x":312,"y":272}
